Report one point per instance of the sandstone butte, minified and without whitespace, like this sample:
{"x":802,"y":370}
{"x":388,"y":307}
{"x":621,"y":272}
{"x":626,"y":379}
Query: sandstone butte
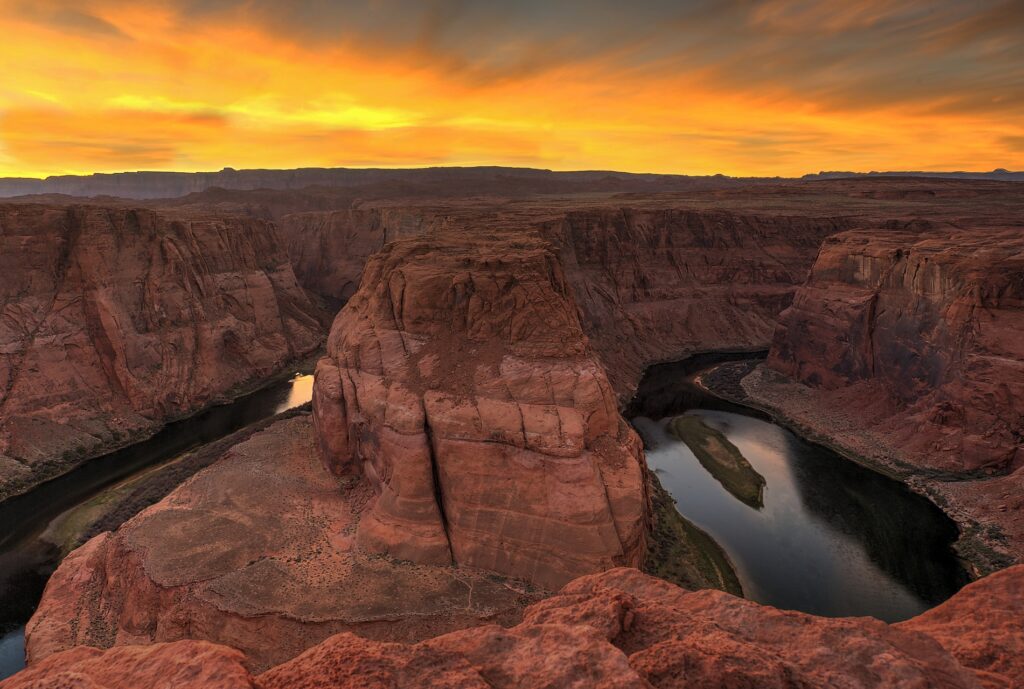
{"x":459,"y":383}
{"x":906,"y":349}
{"x":619,"y":629}
{"x":118,"y":320}
{"x":465,"y":419}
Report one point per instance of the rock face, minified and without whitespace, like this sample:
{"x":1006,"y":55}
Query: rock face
{"x":904,"y":349}
{"x":180,"y":665}
{"x":657,"y":284}
{"x":257,"y":552}
{"x":652,"y":284}
{"x":116,"y":320}
{"x":616,"y":630}
{"x":928,"y":326}
{"x":994,"y":605}
{"x":329,"y":249}
{"x":460,"y":384}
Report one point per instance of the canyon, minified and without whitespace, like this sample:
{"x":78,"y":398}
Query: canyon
{"x":465,"y":455}
{"x":117,"y":320}
{"x":905,"y":348}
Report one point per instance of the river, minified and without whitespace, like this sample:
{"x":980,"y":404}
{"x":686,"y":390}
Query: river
{"x":826,"y":536}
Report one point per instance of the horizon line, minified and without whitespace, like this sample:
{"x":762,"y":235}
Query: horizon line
{"x":414,"y":168}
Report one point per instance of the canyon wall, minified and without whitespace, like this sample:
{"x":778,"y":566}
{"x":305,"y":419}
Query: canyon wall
{"x":616,"y":630}
{"x":329,"y":249}
{"x":460,"y":384}
{"x":920,"y":335}
{"x":656,"y":285}
{"x":652,"y":284}
{"x":116,"y":320}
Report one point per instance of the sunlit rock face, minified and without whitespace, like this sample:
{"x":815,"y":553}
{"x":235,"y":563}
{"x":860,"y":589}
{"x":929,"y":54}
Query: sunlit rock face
{"x":116,"y":320}
{"x":459,"y":382}
{"x":257,"y":552}
{"x":926,"y":328}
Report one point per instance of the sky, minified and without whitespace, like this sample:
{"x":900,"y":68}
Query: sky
{"x":737,"y":87}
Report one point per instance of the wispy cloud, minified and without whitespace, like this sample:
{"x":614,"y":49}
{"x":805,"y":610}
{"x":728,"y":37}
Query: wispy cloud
{"x":734,"y":86}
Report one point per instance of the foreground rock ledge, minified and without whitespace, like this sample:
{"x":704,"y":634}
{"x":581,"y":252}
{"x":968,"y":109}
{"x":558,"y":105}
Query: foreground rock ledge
{"x":460,"y":385}
{"x":617,"y":630}
{"x":257,"y":552}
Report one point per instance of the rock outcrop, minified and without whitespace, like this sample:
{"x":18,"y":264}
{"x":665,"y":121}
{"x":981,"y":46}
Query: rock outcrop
{"x":652,"y":283}
{"x":982,"y":626}
{"x":926,"y":327}
{"x":179,"y":665}
{"x":904,"y":350}
{"x":460,"y":384}
{"x":616,"y":630}
{"x":117,"y":320}
{"x":257,"y":552}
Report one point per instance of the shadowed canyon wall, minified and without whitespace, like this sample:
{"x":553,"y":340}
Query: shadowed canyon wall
{"x":929,"y":326}
{"x":116,"y":320}
{"x":656,"y":285}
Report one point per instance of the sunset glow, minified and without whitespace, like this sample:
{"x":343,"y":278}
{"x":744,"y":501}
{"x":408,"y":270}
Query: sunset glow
{"x":787,"y":87}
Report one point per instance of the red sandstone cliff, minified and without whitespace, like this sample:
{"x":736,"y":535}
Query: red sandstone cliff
{"x":329,"y":249}
{"x":927,"y":329}
{"x":905,"y":350}
{"x":116,"y":320}
{"x":619,"y":629}
{"x":652,"y":283}
{"x":460,"y":384}
{"x":656,"y":285}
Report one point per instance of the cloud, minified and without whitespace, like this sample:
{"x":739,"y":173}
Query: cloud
{"x":67,"y":17}
{"x":702,"y":86}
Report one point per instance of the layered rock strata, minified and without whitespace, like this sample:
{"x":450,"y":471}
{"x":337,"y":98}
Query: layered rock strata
{"x":652,"y":284}
{"x":616,"y":630}
{"x":113,"y":321}
{"x":657,"y":285}
{"x":257,"y":552}
{"x":905,"y":350}
{"x":927,"y":328}
{"x":329,"y":249}
{"x":460,"y":384}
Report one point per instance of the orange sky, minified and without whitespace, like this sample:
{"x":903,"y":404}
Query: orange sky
{"x":778,"y":87}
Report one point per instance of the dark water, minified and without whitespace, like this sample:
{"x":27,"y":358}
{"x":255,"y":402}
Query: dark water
{"x":26,"y":561}
{"x":833,"y":538}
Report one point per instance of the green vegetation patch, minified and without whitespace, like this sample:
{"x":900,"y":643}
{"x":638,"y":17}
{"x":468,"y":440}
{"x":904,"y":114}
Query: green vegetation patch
{"x":679,"y":552}
{"x":721,"y":458}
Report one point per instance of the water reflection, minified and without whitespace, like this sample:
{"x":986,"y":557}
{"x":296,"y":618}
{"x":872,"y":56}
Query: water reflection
{"x":832,"y":538}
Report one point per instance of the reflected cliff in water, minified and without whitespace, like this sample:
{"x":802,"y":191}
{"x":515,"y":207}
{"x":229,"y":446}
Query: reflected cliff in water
{"x":832,"y":537}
